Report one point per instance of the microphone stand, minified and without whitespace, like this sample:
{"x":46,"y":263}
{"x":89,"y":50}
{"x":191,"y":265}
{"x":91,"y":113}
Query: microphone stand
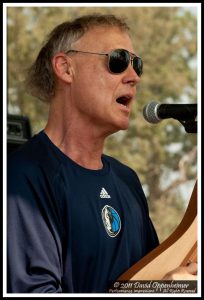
{"x":190,"y":126}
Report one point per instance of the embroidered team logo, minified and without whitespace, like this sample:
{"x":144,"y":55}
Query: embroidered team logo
{"x":104,"y":194}
{"x":111,"y":220}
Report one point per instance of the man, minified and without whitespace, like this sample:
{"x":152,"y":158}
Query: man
{"x":77,"y":219}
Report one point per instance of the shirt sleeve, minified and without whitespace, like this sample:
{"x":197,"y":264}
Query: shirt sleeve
{"x":34,"y":248}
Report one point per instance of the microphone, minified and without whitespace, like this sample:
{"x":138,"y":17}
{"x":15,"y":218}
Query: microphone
{"x":154,"y":112}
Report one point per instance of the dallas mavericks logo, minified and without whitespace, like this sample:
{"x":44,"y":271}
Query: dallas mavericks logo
{"x":111,"y":220}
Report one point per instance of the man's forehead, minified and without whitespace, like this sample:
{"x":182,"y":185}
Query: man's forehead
{"x":106,"y":30}
{"x":103,"y":35}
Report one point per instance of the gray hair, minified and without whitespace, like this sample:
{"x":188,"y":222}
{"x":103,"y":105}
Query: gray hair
{"x":40,"y":81}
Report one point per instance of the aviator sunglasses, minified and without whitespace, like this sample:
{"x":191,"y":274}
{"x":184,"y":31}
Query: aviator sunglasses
{"x":119,"y":59}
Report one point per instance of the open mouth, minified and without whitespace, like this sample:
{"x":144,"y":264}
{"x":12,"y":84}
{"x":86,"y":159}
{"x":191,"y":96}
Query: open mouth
{"x":124,"y":100}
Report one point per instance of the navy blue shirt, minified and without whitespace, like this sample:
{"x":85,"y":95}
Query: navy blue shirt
{"x":71,"y":229}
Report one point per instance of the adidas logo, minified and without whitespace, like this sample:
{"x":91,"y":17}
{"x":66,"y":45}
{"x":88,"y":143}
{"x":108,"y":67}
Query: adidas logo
{"x":104,"y":194}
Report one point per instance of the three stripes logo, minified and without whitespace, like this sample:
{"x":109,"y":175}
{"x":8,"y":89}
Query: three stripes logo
{"x":104,"y":193}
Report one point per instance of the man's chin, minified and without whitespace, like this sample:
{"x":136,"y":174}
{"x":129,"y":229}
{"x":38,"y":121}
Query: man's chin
{"x":124,"y":126}
{"x":121,"y":127}
{"x":114,"y":128}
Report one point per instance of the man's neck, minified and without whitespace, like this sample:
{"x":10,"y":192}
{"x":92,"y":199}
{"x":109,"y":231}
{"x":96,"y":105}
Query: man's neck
{"x":77,"y":136}
{"x":81,"y":146}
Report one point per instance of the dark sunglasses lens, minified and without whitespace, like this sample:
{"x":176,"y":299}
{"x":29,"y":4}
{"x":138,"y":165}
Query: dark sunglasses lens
{"x":118,"y":61}
{"x":138,"y":65}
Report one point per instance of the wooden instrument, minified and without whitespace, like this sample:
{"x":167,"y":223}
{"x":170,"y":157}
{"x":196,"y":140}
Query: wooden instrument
{"x":178,"y":249}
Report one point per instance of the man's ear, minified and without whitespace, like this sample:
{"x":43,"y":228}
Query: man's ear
{"x":62,"y":67}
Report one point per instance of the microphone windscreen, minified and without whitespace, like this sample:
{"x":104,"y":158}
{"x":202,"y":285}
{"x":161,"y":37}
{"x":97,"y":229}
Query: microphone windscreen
{"x":150,"y":112}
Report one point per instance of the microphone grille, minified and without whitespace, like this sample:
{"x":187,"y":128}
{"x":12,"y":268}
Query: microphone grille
{"x":150,"y":112}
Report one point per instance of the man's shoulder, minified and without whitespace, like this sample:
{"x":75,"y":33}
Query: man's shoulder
{"x":125,"y":173}
{"x":119,"y":166}
{"x":35,"y":154}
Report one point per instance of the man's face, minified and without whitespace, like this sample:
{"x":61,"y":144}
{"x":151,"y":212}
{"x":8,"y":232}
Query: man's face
{"x":94,"y":90}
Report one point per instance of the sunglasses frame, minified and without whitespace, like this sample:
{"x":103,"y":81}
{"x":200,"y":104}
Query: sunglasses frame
{"x":131,"y":57}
